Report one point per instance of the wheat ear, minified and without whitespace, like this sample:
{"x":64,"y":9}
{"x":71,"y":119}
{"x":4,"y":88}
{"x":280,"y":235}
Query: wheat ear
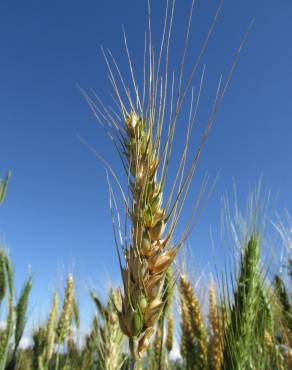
{"x":51,"y":329}
{"x":143,"y":129}
{"x":239,"y":335}
{"x":20,"y":313}
{"x":64,"y":323}
{"x":109,"y":338}
{"x":8,"y":332}
{"x":197,"y":348}
{"x":215,"y":355}
{"x":66,"y":313}
{"x":21,"y":310}
{"x":3,"y":187}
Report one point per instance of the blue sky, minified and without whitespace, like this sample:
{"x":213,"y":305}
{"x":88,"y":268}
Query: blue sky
{"x":56,"y":218}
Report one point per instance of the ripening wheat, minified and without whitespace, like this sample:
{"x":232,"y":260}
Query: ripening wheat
{"x":142,"y":127}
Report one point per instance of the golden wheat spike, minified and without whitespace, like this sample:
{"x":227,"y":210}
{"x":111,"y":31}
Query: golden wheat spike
{"x":216,"y":337}
{"x":192,"y":305}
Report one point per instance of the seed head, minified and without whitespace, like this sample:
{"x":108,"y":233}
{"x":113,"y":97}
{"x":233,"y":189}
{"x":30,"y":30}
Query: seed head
{"x":66,"y":314}
{"x":216,"y":339}
{"x":50,"y":335}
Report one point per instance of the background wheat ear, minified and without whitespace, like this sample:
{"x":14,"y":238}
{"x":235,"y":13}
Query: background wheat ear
{"x":66,"y":313}
{"x":88,"y":355}
{"x":161,"y":337}
{"x":239,"y":335}
{"x":107,"y":336}
{"x":21,"y":311}
{"x":250,"y":329}
{"x":3,"y":186}
{"x":194,"y":336}
{"x":51,"y":332}
{"x":3,"y":278}
{"x":38,"y":348}
{"x":65,"y":319}
{"x":20,"y":322}
{"x":7,"y":334}
{"x":284,"y":300}
{"x":215,"y":345}
{"x":6,"y":287}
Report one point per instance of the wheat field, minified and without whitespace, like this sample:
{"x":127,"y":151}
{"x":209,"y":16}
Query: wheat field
{"x":240,"y":318}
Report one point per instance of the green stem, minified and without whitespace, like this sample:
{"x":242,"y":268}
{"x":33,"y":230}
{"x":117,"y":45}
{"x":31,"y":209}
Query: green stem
{"x":57,"y":359}
{"x":136,"y":363}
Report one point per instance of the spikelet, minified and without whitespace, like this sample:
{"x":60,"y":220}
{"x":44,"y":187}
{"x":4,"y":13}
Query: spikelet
{"x":168,"y":291}
{"x":169,"y":333}
{"x":196,"y":323}
{"x":76,"y":314}
{"x":50,"y":330}
{"x":66,"y":314}
{"x":216,"y":338}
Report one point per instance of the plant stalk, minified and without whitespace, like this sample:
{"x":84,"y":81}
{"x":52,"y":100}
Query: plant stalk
{"x":136,"y":362}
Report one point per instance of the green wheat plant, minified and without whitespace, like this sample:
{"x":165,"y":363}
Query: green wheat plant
{"x":7,"y":288}
{"x":248,"y":324}
{"x":240,"y":333}
{"x":15,"y":320}
{"x":20,"y":322}
{"x":109,"y":339}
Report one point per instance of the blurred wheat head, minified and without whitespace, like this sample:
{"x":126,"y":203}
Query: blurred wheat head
{"x":108,"y":336}
{"x":3,"y":186}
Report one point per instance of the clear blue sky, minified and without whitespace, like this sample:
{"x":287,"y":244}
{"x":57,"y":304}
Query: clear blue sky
{"x":56,"y":215}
